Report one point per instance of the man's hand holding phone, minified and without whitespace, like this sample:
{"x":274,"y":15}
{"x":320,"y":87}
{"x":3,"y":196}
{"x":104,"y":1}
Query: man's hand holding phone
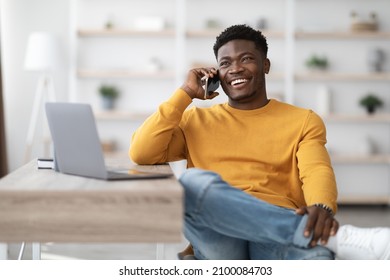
{"x":211,"y":85}
{"x":201,"y":83}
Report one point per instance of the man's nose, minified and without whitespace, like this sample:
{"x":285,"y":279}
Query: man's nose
{"x":235,"y":67}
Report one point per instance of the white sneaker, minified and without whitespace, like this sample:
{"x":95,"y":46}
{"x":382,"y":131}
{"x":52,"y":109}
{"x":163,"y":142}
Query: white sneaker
{"x":355,"y":243}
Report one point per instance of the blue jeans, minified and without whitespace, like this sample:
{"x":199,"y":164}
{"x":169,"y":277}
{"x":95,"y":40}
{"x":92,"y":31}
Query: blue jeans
{"x":222,"y":222}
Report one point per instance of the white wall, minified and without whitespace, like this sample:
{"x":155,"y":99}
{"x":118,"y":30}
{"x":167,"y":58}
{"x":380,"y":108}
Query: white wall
{"x":21,"y":17}
{"x":18,"y":19}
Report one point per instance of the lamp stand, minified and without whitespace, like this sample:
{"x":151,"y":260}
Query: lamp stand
{"x":45,"y":88}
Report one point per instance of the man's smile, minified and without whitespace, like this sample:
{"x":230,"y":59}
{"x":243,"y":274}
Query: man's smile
{"x":238,"y":82}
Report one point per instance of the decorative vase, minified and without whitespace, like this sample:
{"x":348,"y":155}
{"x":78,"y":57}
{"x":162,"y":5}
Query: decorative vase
{"x":375,"y":60}
{"x":107,"y":103}
{"x":371,"y":110}
{"x":365,"y":147}
{"x":323,"y":101}
{"x":261,"y":24}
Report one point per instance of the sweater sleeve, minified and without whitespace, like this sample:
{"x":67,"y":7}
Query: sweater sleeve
{"x":160,"y":139}
{"x":316,"y":172}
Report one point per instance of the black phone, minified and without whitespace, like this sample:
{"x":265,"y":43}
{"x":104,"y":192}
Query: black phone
{"x":211,"y":85}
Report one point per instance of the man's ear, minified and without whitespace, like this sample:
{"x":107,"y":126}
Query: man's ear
{"x":267,"y":65}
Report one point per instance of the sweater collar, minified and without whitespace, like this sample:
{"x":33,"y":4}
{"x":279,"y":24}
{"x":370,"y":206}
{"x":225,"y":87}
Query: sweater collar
{"x":257,"y":111}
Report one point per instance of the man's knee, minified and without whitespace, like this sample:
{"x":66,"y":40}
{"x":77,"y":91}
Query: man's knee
{"x":197,"y":178}
{"x":194,"y":175}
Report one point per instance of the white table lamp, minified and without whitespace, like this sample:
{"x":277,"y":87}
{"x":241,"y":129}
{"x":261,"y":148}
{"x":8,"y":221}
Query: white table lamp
{"x":42,"y":55}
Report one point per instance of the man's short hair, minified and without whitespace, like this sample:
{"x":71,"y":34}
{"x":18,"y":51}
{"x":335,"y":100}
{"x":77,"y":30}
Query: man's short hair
{"x":243,"y":32}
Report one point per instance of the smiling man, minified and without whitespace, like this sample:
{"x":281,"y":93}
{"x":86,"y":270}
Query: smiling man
{"x":259,"y":183}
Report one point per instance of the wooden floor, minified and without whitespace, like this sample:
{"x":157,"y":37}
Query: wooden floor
{"x":364,"y":216}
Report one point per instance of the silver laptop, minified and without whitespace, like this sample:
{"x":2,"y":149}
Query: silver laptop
{"x":77,"y":147}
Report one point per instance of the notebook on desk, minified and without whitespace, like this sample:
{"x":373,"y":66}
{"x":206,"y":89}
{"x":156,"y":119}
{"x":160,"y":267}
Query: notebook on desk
{"x":77,"y":147}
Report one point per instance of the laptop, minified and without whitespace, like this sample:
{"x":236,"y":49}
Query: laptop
{"x":77,"y":148}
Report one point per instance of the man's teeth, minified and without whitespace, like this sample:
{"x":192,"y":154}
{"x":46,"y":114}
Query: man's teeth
{"x":238,"y":81}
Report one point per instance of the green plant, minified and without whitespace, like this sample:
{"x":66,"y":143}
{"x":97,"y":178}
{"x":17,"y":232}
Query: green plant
{"x":371,"y":102}
{"x":108,"y":91}
{"x":317,"y":62}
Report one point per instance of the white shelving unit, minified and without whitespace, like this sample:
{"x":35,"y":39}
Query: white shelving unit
{"x":359,"y":144}
{"x":295,"y":29}
{"x":347,"y":35}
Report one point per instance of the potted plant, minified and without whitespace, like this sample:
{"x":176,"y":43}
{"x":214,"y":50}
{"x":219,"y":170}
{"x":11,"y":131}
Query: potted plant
{"x":109,"y":94}
{"x":371,"y":102}
{"x":317,"y":62}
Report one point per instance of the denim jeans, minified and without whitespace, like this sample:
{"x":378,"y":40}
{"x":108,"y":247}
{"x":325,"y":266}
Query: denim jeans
{"x":223,"y":222}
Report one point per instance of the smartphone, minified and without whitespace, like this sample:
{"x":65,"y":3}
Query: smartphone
{"x":211,"y":85}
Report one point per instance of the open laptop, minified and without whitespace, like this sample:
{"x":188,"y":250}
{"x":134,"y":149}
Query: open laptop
{"x":77,"y":147}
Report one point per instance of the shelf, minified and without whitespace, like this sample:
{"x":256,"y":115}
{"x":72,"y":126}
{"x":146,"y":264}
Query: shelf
{"x":123,"y":32}
{"x":215,"y":32}
{"x":374,"y":118}
{"x":328,"y":76}
{"x":360,"y":159}
{"x":97,"y":74}
{"x":342,"y":35}
{"x":117,"y":115}
{"x":363,"y":199}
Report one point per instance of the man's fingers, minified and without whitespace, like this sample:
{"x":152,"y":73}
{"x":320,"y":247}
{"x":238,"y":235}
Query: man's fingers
{"x":326,"y":231}
{"x":335,"y":227}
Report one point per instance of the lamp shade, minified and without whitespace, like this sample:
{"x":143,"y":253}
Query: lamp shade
{"x":41,"y":52}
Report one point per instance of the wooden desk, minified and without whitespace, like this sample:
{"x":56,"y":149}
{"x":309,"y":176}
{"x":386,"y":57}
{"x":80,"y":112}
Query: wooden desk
{"x":46,"y":206}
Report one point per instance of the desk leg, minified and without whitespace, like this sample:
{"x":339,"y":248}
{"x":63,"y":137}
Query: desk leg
{"x":160,"y":251}
{"x":36,"y":251}
{"x":21,"y":251}
{"x":3,"y":251}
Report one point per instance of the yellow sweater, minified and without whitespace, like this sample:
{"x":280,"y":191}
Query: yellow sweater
{"x":276,"y":153}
